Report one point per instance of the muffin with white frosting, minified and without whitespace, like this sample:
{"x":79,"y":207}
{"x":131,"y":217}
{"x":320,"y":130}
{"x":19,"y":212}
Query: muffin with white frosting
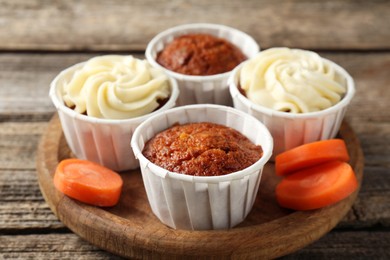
{"x":292,"y":80}
{"x":300,"y":96}
{"x":101,"y":101}
{"x":116,"y":87}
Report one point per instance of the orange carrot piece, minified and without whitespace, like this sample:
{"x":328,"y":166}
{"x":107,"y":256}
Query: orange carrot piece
{"x":317,"y":187}
{"x":88,"y":182}
{"x":310,"y":154}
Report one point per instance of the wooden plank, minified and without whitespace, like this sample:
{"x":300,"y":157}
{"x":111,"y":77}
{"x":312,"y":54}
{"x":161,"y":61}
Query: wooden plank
{"x":51,"y":246}
{"x":25,"y":82}
{"x":371,"y":208}
{"x":22,"y":206}
{"x":347,"y":245}
{"x":19,"y":142}
{"x":129,"y":25}
{"x":335,"y":245}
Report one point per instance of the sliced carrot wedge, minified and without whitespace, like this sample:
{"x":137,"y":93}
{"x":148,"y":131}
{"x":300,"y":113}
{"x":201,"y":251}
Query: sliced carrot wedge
{"x":88,"y":182}
{"x":310,"y":154}
{"x":317,"y":187}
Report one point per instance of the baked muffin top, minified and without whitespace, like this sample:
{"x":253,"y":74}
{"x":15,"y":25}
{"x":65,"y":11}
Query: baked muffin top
{"x":202,"y":149}
{"x":200,"y":54}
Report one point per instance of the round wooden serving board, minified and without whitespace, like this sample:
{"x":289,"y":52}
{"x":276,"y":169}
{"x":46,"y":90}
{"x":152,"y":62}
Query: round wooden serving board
{"x":130,"y":229}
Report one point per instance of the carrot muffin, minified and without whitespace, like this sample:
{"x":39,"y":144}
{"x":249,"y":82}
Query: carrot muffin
{"x":202,"y":149}
{"x":200,"y":54}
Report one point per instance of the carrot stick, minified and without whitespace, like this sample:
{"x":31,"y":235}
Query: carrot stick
{"x":309,"y":155}
{"x":317,"y":187}
{"x":88,"y":182}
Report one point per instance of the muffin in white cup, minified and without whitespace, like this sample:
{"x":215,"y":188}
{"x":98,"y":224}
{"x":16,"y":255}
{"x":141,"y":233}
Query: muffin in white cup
{"x":199,"y":87}
{"x":300,"y":96}
{"x":190,"y":202}
{"x":101,"y":101}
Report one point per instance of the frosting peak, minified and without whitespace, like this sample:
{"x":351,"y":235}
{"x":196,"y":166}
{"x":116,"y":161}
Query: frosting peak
{"x":115,"y":87}
{"x":292,"y":80}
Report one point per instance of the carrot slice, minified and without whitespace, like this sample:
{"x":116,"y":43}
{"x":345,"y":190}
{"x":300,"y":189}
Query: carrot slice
{"x":317,"y":187}
{"x":310,"y":154}
{"x":88,"y":182}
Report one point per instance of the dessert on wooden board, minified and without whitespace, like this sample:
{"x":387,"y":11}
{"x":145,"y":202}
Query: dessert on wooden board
{"x":299,"y":96}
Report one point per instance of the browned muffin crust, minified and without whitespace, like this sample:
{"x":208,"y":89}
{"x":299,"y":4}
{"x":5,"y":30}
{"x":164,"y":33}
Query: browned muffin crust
{"x":200,"y":54}
{"x":202,"y":149}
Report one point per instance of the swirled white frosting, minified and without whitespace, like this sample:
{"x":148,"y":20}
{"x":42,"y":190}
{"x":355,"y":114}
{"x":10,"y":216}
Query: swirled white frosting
{"x":292,"y":80}
{"x":115,"y":87}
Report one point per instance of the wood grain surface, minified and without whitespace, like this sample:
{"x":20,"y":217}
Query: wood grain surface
{"x":268,"y":232}
{"x":129,"y":25}
{"x":39,"y":38}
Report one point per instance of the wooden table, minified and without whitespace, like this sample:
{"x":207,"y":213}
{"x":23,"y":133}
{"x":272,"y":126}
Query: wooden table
{"x":40,"y":38}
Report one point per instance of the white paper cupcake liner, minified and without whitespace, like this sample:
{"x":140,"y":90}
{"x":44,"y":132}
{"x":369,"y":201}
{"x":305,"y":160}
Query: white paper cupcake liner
{"x":104,"y":141}
{"x":202,"y":89}
{"x":290,"y":130}
{"x":198,"y":202}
